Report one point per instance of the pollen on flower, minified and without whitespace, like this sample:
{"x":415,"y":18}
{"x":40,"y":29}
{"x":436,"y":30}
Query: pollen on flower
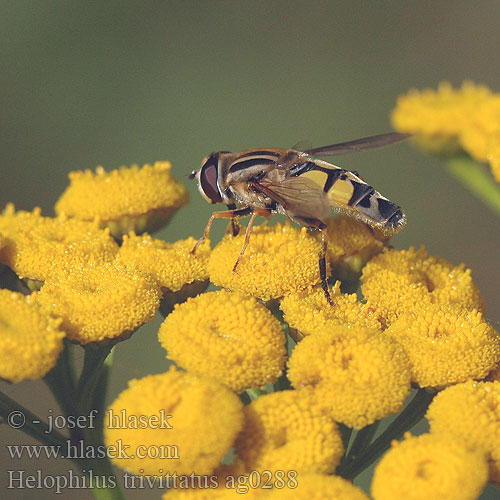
{"x":350,"y":244}
{"x":446,"y":344}
{"x":233,"y":339}
{"x":102,"y":303}
{"x":30,"y":341}
{"x":41,"y":248}
{"x":172,"y":265}
{"x":278,"y":260}
{"x":358,"y":375}
{"x":430,"y":466}
{"x":399,"y":281}
{"x":307,"y":311}
{"x":199,"y":421}
{"x":127,"y":199}
{"x":287,"y":430}
{"x":438,"y":117}
{"x":470,"y":411}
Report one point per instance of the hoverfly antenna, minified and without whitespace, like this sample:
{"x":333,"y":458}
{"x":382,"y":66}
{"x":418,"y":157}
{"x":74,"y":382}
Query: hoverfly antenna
{"x":192,"y":175}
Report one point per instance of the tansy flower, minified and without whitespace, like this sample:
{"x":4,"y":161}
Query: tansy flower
{"x":278,"y":260}
{"x":11,"y":222}
{"x":358,"y":375}
{"x":46,"y":247}
{"x":286,"y":431}
{"x":179,"y":273}
{"x":470,"y":411}
{"x":30,"y":341}
{"x":430,"y":466}
{"x":494,"y":159}
{"x":127,"y":199}
{"x":233,"y":339}
{"x":350,"y":244}
{"x":400,"y":281}
{"x":437,"y":118}
{"x":205,"y":418}
{"x":307,"y":311}
{"x":103,"y":303}
{"x":446,"y":344}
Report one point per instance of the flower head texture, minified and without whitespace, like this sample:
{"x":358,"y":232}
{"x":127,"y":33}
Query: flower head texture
{"x":205,"y":418}
{"x":224,"y":335}
{"x":41,"y":248}
{"x":430,"y":467}
{"x":287,"y":430}
{"x":30,"y":341}
{"x":172,"y":265}
{"x":278,"y":260}
{"x":446,"y":344}
{"x":127,"y":199}
{"x":358,"y":375}
{"x":103,"y":303}
{"x":470,"y":411}
{"x":402,"y":280}
{"x":307,"y":311}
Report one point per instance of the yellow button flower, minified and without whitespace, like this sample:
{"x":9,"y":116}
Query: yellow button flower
{"x":46,"y":247}
{"x":30,"y":341}
{"x":400,"y":281}
{"x":12,"y":221}
{"x":351,"y":243}
{"x":233,"y":339}
{"x":179,"y":273}
{"x":430,"y":467}
{"x":494,"y":158}
{"x":358,"y":375}
{"x":438,"y":117}
{"x":278,"y":260}
{"x":127,"y":199}
{"x":287,"y":431}
{"x":307,"y":311}
{"x":470,"y":411}
{"x":205,"y":418}
{"x":446,"y":345}
{"x":103,"y":303}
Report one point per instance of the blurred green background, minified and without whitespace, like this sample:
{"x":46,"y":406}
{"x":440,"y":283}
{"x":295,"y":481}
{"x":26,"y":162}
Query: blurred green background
{"x":115,"y":83}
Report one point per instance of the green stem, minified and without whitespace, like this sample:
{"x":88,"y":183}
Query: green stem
{"x":346,"y":433}
{"x":15,"y":414}
{"x":476,"y":178}
{"x":413,"y":412}
{"x":362,"y":440}
{"x":255,"y":393}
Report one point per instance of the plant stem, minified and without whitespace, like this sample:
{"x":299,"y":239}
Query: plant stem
{"x":413,"y":412}
{"x":362,"y":440}
{"x":476,"y":178}
{"x":346,"y":433}
{"x":254,"y":393}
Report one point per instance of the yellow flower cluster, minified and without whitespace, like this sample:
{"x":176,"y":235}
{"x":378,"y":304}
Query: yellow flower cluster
{"x":127,"y":199}
{"x":447,"y":120}
{"x":430,"y":466}
{"x":358,"y":375}
{"x":30,"y":341}
{"x":446,"y":345}
{"x":228,"y":337}
{"x":400,"y":281}
{"x":287,"y":431}
{"x":278,"y":260}
{"x":470,"y":411}
{"x":102,"y":303}
{"x":307,"y":311}
{"x":188,"y":424}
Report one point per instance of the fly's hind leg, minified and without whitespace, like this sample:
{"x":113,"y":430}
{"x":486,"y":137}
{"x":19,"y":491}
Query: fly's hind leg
{"x":322,"y":227}
{"x":227,"y":214}
{"x":264,"y":213}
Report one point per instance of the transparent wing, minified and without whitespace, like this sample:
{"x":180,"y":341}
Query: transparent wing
{"x":375,"y":141}
{"x":299,"y":196}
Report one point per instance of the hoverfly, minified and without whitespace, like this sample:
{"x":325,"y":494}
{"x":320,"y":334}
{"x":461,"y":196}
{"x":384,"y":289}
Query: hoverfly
{"x":271,"y":180}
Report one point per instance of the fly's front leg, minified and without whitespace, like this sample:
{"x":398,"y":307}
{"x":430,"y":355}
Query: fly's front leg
{"x":228,"y":214}
{"x":264,"y":213}
{"x":233,"y":227}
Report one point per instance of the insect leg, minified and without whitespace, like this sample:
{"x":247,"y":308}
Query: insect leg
{"x":233,"y":227}
{"x":263,"y":213}
{"x":227,"y":214}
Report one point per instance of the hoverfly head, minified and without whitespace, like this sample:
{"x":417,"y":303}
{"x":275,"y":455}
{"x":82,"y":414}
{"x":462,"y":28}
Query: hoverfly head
{"x":208,"y":179}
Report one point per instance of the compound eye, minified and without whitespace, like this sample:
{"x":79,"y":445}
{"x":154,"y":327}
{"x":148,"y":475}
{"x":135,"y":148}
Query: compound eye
{"x":208,"y":179}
